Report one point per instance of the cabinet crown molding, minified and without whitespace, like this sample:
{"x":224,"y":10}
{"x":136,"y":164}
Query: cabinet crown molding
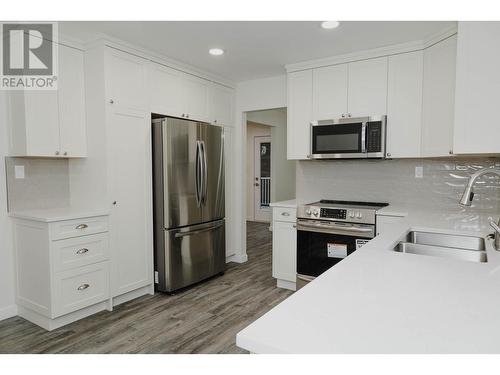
{"x":373,"y":53}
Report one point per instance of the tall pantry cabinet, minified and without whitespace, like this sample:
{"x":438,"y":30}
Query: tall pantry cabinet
{"x":118,"y":164}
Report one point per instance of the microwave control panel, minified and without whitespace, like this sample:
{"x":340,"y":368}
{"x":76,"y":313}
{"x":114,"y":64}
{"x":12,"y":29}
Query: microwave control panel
{"x":374,"y":136}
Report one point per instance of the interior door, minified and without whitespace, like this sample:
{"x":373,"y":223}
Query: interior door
{"x":262,"y":179}
{"x":213,"y":206}
{"x":180,"y":158}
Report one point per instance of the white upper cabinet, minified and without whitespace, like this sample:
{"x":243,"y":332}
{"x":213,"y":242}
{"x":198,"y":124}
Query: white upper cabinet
{"x":330,"y":92}
{"x":367,"y":93}
{"x":439,"y":98}
{"x":404,"y":105}
{"x":72,"y":126}
{"x":178,"y":94}
{"x":300,"y":93}
{"x":221,"y":104}
{"x":477,"y":88}
{"x":164,"y":87}
{"x":195,"y":91}
{"x":51,"y":123}
{"x":126,"y":80}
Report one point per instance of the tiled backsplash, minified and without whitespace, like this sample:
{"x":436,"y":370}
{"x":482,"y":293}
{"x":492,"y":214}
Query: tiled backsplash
{"x":394,"y":181}
{"x":45,"y":185}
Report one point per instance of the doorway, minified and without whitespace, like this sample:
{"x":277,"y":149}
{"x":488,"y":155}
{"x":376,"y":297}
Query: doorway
{"x":258,"y":155}
{"x":262,"y":178}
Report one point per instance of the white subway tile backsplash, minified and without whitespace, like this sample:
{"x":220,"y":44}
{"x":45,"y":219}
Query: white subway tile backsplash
{"x":394,"y":181}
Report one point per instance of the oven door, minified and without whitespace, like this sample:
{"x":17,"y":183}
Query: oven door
{"x":339,"y":139}
{"x":322,"y":244}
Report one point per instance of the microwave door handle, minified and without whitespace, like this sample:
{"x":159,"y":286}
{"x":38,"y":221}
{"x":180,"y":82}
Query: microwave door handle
{"x":363,"y":137}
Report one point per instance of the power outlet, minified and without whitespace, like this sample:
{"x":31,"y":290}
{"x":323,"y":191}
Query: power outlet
{"x":419,"y":171}
{"x":19,"y":171}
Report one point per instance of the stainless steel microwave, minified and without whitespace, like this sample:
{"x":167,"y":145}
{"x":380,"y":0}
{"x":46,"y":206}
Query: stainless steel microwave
{"x":348,"y":138}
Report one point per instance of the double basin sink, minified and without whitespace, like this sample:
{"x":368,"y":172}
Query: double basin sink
{"x":467,"y":248}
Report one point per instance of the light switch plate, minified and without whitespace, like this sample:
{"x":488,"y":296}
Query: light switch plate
{"x":419,"y":171}
{"x":19,"y":171}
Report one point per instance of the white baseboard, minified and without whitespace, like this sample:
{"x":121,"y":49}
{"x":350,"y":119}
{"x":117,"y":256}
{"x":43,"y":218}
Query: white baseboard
{"x":237,"y":258}
{"x":8,"y":312}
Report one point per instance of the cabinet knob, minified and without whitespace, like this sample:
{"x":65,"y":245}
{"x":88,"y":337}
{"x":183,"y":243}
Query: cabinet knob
{"x":343,"y":115}
{"x":388,"y":154}
{"x":451,"y":152}
{"x":57,"y":152}
{"x":65,"y":153}
{"x":294,"y":225}
{"x":348,"y":115}
{"x":111,"y":101}
{"x":187,"y":116}
{"x":114,"y":203}
{"x":215,"y":121}
{"x":183,"y":115}
{"x":82,"y":251}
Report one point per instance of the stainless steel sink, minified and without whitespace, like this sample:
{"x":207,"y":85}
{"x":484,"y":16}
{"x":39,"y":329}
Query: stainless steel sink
{"x":451,"y":246}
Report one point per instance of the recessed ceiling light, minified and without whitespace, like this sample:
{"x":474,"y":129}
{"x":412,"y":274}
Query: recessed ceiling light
{"x":330,"y":24}
{"x":216,"y":51}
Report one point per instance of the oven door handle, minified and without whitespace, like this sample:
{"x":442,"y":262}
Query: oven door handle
{"x":336,"y":227}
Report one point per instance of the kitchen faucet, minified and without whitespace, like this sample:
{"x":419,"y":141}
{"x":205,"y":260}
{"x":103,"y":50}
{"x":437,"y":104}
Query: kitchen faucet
{"x":468,"y":195}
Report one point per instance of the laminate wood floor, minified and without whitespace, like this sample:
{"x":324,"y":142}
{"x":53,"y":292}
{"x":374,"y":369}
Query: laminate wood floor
{"x":203,"y":319}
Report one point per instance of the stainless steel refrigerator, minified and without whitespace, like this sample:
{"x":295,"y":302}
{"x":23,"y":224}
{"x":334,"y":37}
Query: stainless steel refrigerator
{"x":188,"y":198}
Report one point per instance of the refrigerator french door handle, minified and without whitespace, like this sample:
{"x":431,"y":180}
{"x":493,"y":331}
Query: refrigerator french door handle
{"x":205,"y":174}
{"x":197,"y":231}
{"x":198,"y":174}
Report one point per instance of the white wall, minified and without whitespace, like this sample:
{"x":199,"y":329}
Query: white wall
{"x":7,"y":301}
{"x":259,"y":94}
{"x":253,"y":130}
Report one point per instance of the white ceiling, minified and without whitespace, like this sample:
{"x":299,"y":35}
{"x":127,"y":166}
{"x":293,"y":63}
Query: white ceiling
{"x":254,"y":49}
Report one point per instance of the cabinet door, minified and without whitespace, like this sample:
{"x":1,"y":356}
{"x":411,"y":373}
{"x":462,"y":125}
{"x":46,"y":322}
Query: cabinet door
{"x":367,"y":93}
{"x":439,"y":98}
{"x":477,"y":88}
{"x":330,"y":92}
{"x":164,"y":86}
{"x":404,"y":105}
{"x":284,"y":251}
{"x":299,"y":114}
{"x":126,"y":80}
{"x":130,"y":221}
{"x":41,"y":121}
{"x":221,"y":105}
{"x":71,"y":95}
{"x":196,"y":97}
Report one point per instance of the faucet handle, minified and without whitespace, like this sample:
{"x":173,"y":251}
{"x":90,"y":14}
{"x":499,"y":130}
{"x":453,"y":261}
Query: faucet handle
{"x":495,"y":225}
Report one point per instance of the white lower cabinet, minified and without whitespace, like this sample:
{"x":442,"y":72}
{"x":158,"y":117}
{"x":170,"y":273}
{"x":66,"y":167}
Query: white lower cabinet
{"x":61,"y":275}
{"x":284,"y":247}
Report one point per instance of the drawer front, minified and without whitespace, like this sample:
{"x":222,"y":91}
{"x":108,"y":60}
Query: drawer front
{"x":284,"y":214}
{"x":78,"y":227}
{"x":79,"y":251}
{"x":81,"y":287}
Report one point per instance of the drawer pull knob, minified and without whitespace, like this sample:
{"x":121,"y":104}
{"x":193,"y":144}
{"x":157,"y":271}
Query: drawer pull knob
{"x":83,"y":286}
{"x":285,"y":213}
{"x":81,"y":226}
{"x":82,"y":251}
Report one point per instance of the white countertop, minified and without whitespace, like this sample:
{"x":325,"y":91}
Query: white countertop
{"x":380,"y":301}
{"x":291,"y":203}
{"x":58,"y":214}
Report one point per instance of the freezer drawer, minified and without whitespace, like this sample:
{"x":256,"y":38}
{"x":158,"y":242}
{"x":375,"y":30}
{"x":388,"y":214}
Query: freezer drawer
{"x":190,"y":254}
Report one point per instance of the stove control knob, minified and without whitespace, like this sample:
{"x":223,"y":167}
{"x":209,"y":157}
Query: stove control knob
{"x":308,"y":212}
{"x":359,"y":215}
{"x":316,"y":213}
{"x":351,"y":213}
